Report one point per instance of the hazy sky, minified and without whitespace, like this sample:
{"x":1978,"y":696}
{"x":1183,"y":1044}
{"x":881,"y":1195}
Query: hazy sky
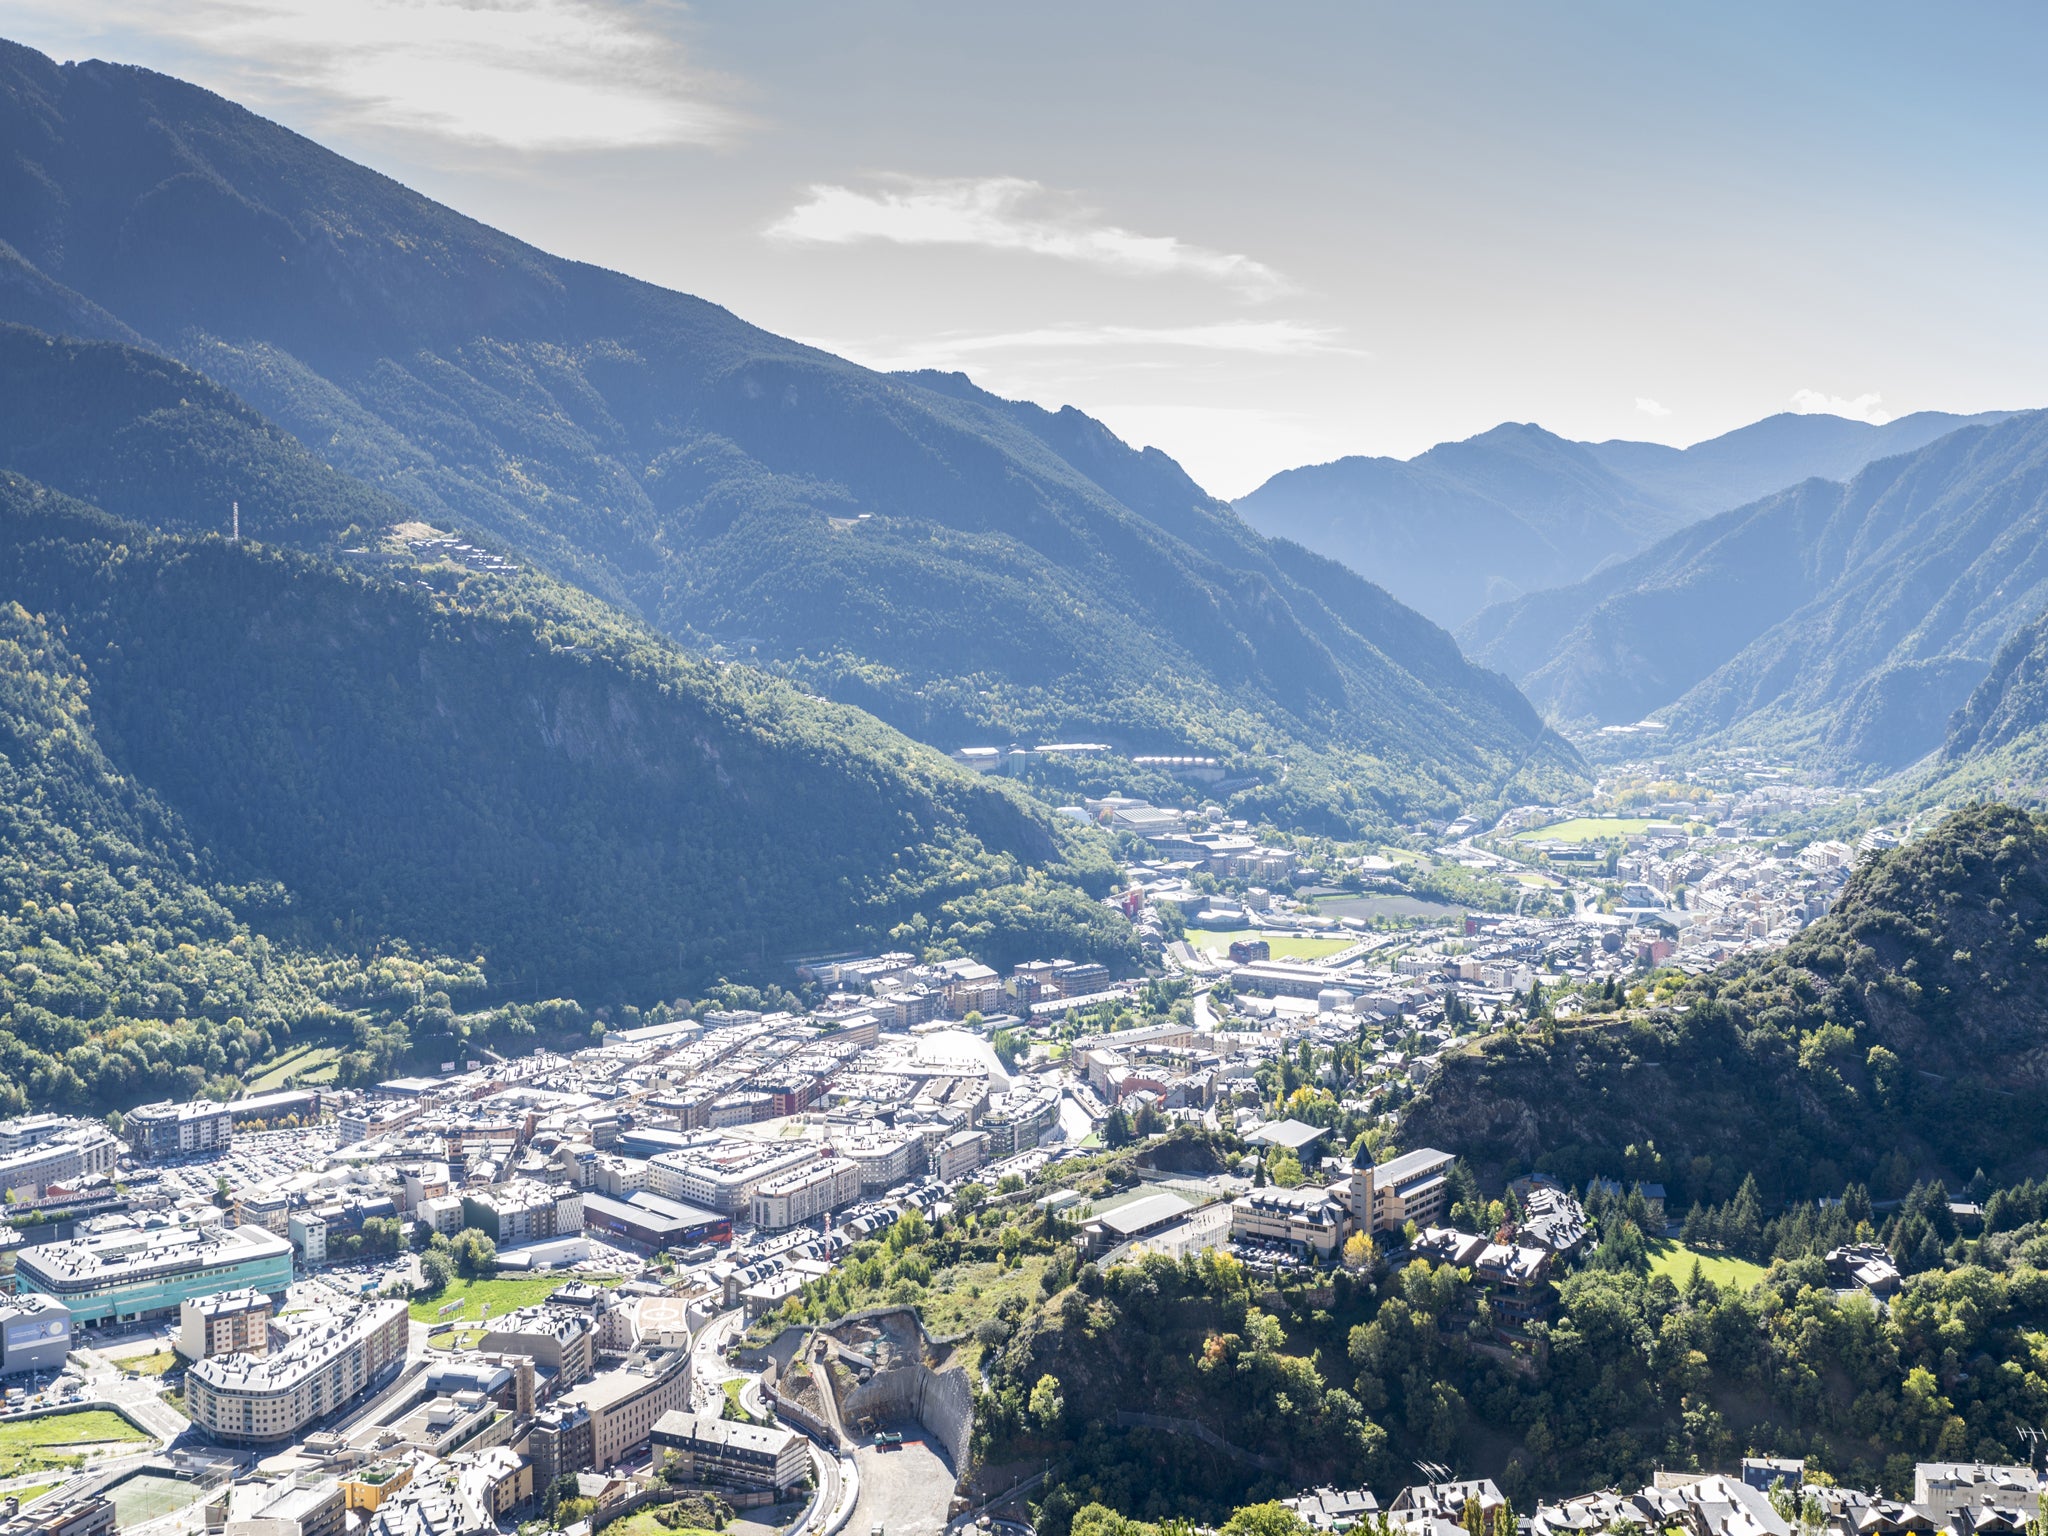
{"x":1254,"y":236}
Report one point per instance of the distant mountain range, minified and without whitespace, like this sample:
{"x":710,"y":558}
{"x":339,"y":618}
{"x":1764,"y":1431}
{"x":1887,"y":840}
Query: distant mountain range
{"x":1849,"y":620}
{"x":969,"y":569}
{"x":1518,"y":509}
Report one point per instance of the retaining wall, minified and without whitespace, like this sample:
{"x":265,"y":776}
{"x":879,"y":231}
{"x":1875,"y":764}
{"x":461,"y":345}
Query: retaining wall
{"x":941,"y":1401}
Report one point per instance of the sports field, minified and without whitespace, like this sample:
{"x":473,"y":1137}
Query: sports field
{"x":1585,"y":829}
{"x":147,"y":1496}
{"x":1285,"y":946}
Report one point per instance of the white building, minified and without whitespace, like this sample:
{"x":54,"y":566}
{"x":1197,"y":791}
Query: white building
{"x":793,"y":1198}
{"x":333,"y":1357}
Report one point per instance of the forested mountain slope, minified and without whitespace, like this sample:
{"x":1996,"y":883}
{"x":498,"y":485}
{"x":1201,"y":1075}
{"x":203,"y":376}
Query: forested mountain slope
{"x":1848,"y":620}
{"x":967,"y":568}
{"x":1518,"y":509}
{"x":1905,"y":1033}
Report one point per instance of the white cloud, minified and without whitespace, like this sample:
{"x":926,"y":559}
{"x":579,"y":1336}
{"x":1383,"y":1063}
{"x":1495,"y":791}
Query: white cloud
{"x":1264,"y":338}
{"x":1870,"y":408}
{"x":1651,"y":407}
{"x":517,"y":74}
{"x":1009,"y":213}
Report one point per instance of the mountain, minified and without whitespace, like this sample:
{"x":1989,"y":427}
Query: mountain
{"x":968,"y":568}
{"x":251,"y":799}
{"x":1997,"y":742}
{"x":1849,"y":620}
{"x":1519,"y":509}
{"x":1749,"y":463}
{"x":1906,"y":1024}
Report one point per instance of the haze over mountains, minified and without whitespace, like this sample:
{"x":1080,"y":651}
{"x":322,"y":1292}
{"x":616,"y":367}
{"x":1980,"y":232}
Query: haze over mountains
{"x":1849,"y":620}
{"x":1518,"y":509}
{"x":966,"y":568}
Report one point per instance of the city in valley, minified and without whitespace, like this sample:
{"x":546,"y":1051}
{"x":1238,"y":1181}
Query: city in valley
{"x":892,"y":769}
{"x":650,"y":1281}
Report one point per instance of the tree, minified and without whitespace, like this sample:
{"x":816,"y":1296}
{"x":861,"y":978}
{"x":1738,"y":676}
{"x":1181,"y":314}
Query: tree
{"x":970,"y":1198}
{"x":1047,"y":1405}
{"x":475,"y":1254}
{"x":437,"y":1269}
{"x":1358,"y":1251}
{"x":1268,"y":1519}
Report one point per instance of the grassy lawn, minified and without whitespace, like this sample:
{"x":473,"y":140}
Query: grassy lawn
{"x":301,"y":1058}
{"x":1292,"y":946}
{"x":1586,"y":829}
{"x":1676,"y":1260}
{"x":58,"y":1439}
{"x":506,"y":1294}
{"x":642,"y":1522}
{"x":32,"y":1492}
{"x":150,"y":1365}
{"x":951,"y":1305}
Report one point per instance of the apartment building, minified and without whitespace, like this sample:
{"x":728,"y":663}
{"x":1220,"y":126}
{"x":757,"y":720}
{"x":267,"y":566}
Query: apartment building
{"x":179,"y":1130}
{"x":330,"y":1360}
{"x":524,"y":1211}
{"x":742,"y":1455}
{"x":37,"y":1151}
{"x":234,"y":1322}
{"x":807,"y":1193}
{"x":722,"y":1176}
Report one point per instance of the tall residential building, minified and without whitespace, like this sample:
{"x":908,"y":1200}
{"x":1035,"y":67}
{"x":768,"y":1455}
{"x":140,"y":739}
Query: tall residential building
{"x":37,"y":1151}
{"x":799,"y":1196}
{"x":331,"y":1360}
{"x":524,"y":1211}
{"x":179,"y":1130}
{"x":232,"y":1323}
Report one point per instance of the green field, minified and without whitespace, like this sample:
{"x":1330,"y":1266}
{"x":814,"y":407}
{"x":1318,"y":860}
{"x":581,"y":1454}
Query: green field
{"x":150,"y":1365}
{"x":1290,"y":946}
{"x":147,"y":1496}
{"x":60,"y":1439}
{"x":32,"y":1492}
{"x":1586,"y":829}
{"x":505,"y":1294}
{"x":1676,"y":1260}
{"x":318,"y":1061}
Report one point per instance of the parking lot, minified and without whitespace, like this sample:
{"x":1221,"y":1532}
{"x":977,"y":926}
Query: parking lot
{"x":905,"y":1489}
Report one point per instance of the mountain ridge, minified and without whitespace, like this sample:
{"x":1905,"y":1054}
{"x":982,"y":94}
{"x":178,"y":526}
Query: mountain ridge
{"x":1846,"y":619}
{"x":1517,"y":509}
{"x":711,"y":478}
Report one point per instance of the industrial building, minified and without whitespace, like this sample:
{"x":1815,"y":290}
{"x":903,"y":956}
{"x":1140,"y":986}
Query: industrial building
{"x":124,"y":1276}
{"x":653,"y":1222}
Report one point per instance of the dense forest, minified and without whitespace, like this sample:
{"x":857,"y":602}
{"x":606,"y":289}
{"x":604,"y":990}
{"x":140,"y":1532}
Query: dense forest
{"x":252,"y":795}
{"x":1900,"y":1036}
{"x":1345,"y":1376}
{"x":969,"y":569}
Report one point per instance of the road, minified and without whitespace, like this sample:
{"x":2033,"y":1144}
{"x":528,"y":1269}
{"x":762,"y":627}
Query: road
{"x":708,"y":1371}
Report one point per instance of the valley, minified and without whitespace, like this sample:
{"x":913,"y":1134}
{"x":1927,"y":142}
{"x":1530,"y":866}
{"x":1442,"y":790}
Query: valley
{"x":619,"y":920}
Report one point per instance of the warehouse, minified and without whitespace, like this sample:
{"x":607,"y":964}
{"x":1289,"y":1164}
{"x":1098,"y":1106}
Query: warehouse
{"x":652,"y":1222}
